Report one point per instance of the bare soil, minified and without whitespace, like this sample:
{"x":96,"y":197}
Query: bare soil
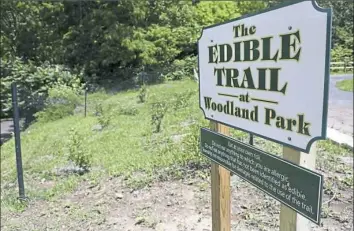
{"x":170,"y":205}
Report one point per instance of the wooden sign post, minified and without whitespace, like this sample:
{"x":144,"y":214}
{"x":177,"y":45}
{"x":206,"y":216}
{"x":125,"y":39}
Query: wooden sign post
{"x":270,"y":81}
{"x":290,"y":220}
{"x":220,"y":189}
{"x":279,"y":178}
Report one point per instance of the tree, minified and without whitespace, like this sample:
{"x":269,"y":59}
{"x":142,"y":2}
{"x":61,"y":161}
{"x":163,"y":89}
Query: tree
{"x":30,"y":30}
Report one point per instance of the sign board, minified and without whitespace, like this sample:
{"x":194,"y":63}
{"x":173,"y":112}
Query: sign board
{"x":268,"y":73}
{"x":291,"y":184}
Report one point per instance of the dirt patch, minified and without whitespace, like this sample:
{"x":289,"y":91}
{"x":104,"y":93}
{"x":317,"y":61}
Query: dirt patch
{"x":170,"y":205}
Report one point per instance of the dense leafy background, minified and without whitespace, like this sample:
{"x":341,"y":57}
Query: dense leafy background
{"x":118,"y":40}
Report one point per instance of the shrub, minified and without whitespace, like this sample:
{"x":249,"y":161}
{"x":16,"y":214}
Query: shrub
{"x":61,"y":102}
{"x":180,"y":100}
{"x":130,"y":111}
{"x":181,"y":68}
{"x":142,"y":94}
{"x":341,"y":54}
{"x":33,"y":83}
{"x":103,"y":115}
{"x":159,"y":110}
{"x":191,"y":147}
{"x":77,"y":154}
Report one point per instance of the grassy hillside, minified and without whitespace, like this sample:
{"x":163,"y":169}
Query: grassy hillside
{"x":120,"y":139}
{"x":125,"y":145}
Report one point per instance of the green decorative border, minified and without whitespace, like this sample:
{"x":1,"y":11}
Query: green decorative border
{"x":326,"y":76}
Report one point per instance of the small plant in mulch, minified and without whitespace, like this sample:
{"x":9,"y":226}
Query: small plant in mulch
{"x":77,"y":154}
{"x":103,"y":116}
{"x":142,"y":94}
{"x":159,"y":110}
{"x":181,"y":99}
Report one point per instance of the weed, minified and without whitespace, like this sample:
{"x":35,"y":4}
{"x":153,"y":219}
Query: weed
{"x":142,"y":94}
{"x":348,"y":181}
{"x":76,"y":153}
{"x":15,"y":204}
{"x":98,"y":109}
{"x":103,"y":116}
{"x":104,"y":121}
{"x":130,"y":111}
{"x":181,"y":99}
{"x":139,"y":182}
{"x":159,"y":110}
{"x":326,"y":211}
{"x":191,"y":148}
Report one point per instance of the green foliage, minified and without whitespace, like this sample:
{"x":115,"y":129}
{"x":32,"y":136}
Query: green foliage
{"x":191,"y":146}
{"x":61,"y":102}
{"x":180,"y":99}
{"x":345,"y":85}
{"x":158,"y":111}
{"x":128,"y":110}
{"x":142,"y":94}
{"x":342,"y":34}
{"x":181,"y":69}
{"x":342,"y":24}
{"x":109,"y":39}
{"x":77,"y":154}
{"x":160,"y":107}
{"x":32,"y":30}
{"x":103,"y":115}
{"x":115,"y":40}
{"x":248,"y":7}
{"x":341,"y":54}
{"x":105,"y":38}
{"x":117,"y":152}
{"x":33,"y":83}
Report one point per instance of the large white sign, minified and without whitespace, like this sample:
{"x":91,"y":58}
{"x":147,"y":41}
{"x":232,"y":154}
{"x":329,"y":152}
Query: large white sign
{"x":268,"y":73}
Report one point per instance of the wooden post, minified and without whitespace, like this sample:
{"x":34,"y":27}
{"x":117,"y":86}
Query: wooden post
{"x":220,"y":190}
{"x":345,"y":66}
{"x":289,"y":219}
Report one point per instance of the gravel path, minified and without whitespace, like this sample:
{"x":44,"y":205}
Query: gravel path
{"x":340,"y":107}
{"x":6,"y":130}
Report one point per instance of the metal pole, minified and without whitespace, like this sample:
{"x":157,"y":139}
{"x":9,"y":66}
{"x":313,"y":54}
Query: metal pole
{"x":16,"y":119}
{"x":85,"y":100}
{"x":251,"y":139}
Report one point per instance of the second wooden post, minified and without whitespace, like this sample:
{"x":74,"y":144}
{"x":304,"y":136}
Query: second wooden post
{"x":220,"y":190}
{"x":290,"y":220}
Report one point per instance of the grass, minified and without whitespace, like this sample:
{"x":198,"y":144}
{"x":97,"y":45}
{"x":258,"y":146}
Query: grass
{"x":126,"y":146}
{"x":345,"y":85}
{"x":340,"y":72}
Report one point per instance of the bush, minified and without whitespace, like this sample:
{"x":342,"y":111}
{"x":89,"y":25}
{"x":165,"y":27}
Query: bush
{"x":181,"y":68}
{"x":180,"y":100}
{"x":103,"y":115}
{"x":77,"y":154}
{"x":61,"y":102}
{"x":142,"y":94}
{"x":33,"y":83}
{"x":341,"y":54}
{"x":191,"y":146}
{"x":159,"y":110}
{"x":130,"y":111}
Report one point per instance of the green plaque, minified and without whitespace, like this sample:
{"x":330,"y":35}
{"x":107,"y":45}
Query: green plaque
{"x":295,"y":186}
